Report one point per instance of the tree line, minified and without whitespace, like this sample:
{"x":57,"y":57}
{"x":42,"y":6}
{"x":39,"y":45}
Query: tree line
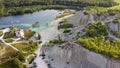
{"x":16,"y":7}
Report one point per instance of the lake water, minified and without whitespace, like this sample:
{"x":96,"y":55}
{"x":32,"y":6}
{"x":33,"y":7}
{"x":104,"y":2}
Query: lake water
{"x":45,"y":18}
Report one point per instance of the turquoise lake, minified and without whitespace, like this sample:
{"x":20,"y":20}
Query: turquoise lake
{"x":45,"y":17}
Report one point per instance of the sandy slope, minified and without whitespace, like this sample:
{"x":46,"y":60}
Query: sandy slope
{"x":47,"y":35}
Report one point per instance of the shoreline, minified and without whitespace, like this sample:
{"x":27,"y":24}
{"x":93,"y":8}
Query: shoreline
{"x":47,"y":35}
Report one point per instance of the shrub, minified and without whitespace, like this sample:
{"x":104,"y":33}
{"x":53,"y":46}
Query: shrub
{"x":15,"y":63}
{"x":1,"y":33}
{"x":93,"y":30}
{"x":116,"y":21}
{"x":28,"y":33}
{"x":11,"y":33}
{"x":20,"y":56}
{"x":65,"y":26}
{"x":66,"y":31}
{"x":57,"y":41}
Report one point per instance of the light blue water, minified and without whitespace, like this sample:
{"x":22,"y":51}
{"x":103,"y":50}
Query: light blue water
{"x":45,"y":18}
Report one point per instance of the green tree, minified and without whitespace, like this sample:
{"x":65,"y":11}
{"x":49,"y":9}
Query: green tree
{"x":15,"y":63}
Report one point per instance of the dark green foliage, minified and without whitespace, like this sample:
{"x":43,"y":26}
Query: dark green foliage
{"x":65,"y":26}
{"x":116,"y":21}
{"x":96,"y":29}
{"x":111,"y":12}
{"x":86,"y":13}
{"x":11,"y":33}
{"x":66,"y":31}
{"x":39,"y":36}
{"x":57,"y":41}
{"x":15,"y":63}
{"x":99,"y":44}
{"x":20,"y":56}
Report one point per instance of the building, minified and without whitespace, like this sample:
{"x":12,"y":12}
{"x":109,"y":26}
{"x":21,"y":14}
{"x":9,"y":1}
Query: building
{"x":19,"y":33}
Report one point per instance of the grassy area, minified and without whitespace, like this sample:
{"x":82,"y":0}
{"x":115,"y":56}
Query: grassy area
{"x":27,"y":47}
{"x":10,"y":34}
{"x":1,"y":33}
{"x":115,"y":7}
{"x":100,"y":45}
{"x":28,"y":33}
{"x":118,"y":1}
{"x":9,"y":52}
{"x":9,"y":40}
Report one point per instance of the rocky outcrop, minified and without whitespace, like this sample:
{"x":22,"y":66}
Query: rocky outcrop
{"x":72,"y":55}
{"x":114,"y":27}
{"x":80,"y":19}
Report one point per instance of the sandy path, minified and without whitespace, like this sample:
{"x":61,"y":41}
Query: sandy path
{"x":47,"y":35}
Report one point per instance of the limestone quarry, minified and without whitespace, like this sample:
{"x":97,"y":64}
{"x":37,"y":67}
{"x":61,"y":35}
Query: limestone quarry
{"x":73,"y":55}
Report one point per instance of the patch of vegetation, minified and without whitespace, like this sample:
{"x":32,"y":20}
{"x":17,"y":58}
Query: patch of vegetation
{"x":97,"y":10}
{"x":9,"y":52}
{"x":1,"y":33}
{"x":28,"y":33}
{"x":22,"y":39}
{"x":116,"y":21}
{"x":39,"y":36}
{"x":99,"y":44}
{"x":17,"y":7}
{"x":111,"y":12}
{"x":66,"y":31}
{"x":65,"y":26}
{"x":9,"y":40}
{"x":57,"y":41}
{"x":115,"y":33}
{"x":115,"y":8}
{"x":21,"y":56}
{"x":86,"y":12}
{"x":96,"y":29}
{"x":12,"y":63}
{"x":10,"y":34}
{"x":27,"y":47}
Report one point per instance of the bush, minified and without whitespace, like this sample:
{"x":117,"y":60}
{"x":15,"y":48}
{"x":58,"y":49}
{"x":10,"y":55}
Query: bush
{"x":39,"y":36}
{"x":20,"y":56}
{"x":57,"y":41}
{"x":28,"y":33}
{"x":96,"y":29}
{"x":15,"y":63}
{"x":116,"y":21}
{"x":1,"y":33}
{"x":66,"y":31}
{"x":11,"y":33}
{"x":65,"y":26}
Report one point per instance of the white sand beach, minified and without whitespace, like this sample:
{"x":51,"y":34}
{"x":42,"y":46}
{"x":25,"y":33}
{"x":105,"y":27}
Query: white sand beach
{"x":46,"y":35}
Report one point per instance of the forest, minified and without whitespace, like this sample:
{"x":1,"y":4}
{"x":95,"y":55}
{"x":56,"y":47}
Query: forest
{"x":17,"y":7}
